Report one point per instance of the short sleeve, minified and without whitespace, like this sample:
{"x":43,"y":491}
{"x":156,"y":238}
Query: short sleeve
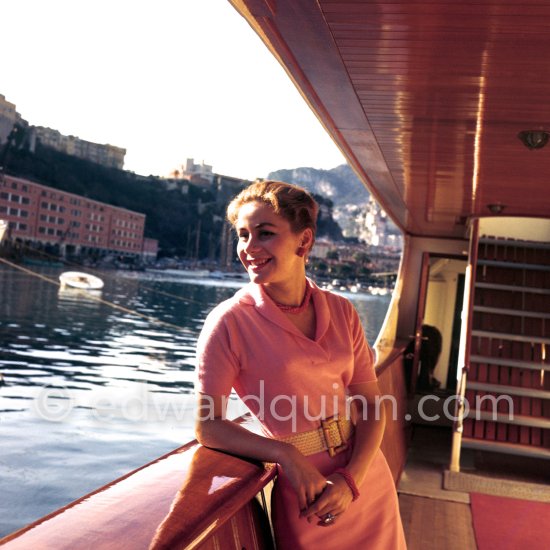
{"x":363,"y":356}
{"x":217,"y":365}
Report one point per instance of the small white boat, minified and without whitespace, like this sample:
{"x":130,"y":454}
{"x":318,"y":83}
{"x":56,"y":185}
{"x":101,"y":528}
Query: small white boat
{"x":77,"y":279}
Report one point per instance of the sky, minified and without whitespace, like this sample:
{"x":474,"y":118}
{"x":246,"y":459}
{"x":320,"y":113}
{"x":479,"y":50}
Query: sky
{"x":167,"y":80}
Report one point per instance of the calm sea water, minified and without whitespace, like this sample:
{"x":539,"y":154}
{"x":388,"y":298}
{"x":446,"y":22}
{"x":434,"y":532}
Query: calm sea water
{"x":96,"y":386}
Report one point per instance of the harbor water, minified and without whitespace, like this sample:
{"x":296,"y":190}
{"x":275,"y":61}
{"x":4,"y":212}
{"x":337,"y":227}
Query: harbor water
{"x":95,"y":385}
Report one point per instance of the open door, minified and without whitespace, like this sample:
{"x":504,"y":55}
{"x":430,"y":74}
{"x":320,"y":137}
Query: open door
{"x":433,"y":351}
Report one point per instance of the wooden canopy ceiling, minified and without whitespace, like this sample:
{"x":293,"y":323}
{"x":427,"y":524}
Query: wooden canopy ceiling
{"x":425,"y":99}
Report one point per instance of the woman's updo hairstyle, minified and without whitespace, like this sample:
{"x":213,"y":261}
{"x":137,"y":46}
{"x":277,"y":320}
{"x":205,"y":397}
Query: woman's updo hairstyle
{"x":291,"y":202}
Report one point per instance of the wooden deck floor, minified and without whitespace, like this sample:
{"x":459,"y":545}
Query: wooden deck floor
{"x":433,"y":519}
{"x":432,"y":524}
{"x":440,"y":519}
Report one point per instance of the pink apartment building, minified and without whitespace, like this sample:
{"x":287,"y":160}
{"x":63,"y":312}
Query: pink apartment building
{"x":39,"y":215}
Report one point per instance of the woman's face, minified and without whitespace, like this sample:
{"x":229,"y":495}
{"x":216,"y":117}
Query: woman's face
{"x":267,"y":247}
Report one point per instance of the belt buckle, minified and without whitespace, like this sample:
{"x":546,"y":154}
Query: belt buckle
{"x":333,"y":450}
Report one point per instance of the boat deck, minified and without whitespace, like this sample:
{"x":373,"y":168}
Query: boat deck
{"x":433,"y":518}
{"x":432,"y":524}
{"x":436,"y":518}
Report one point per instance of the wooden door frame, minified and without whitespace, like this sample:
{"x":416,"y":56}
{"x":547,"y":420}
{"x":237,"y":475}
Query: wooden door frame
{"x":420,"y":311}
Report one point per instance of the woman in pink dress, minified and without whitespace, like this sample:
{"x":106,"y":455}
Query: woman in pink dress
{"x":297,"y":356}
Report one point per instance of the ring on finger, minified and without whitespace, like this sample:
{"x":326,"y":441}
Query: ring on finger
{"x":327,"y":519}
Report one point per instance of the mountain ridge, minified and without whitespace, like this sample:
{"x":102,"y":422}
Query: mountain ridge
{"x":339,"y":184}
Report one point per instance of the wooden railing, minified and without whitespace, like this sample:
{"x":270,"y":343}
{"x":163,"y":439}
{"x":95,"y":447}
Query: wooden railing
{"x":192,"y":498}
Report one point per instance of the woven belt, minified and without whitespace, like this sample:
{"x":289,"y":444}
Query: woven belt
{"x":333,"y":436}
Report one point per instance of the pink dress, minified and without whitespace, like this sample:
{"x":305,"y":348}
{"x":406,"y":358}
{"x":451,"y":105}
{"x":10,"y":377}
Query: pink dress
{"x":290,"y":383}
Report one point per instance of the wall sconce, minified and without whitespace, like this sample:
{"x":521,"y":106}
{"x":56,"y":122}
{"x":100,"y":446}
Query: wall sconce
{"x":496,"y":208}
{"x":534,"y":139}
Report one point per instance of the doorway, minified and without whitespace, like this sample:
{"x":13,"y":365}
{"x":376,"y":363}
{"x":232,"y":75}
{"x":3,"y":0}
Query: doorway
{"x":433,"y":354}
{"x":443,"y":311}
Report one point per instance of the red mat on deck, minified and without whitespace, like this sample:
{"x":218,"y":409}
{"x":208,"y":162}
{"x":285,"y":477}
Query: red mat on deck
{"x":510,"y":523}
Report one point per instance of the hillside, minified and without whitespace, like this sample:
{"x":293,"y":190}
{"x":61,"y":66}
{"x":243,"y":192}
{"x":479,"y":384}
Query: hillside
{"x":188,"y":225}
{"x":339,"y":184}
{"x":353,"y":206}
{"x":172,"y":217}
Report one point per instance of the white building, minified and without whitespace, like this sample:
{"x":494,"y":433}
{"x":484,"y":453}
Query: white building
{"x":106,"y":155}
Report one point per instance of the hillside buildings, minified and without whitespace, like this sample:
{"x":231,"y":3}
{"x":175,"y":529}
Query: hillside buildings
{"x":104,"y":154}
{"x":41,"y":217}
{"x":203,"y":170}
{"x":370,"y":224}
{"x":199,"y":174}
{"x":364,"y":223}
{"x":321,"y":248}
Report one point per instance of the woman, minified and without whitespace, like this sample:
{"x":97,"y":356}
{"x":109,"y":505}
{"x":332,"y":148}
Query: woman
{"x":295,"y":354}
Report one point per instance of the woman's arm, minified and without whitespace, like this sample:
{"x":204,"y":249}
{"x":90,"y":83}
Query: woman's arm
{"x":369,"y":429}
{"x":213,"y":430}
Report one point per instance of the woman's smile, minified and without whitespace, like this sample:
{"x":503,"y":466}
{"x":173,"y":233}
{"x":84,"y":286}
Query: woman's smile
{"x":258,"y":264}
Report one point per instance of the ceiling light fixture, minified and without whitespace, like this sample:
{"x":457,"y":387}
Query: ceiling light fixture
{"x":496,"y":208}
{"x":534,"y":139}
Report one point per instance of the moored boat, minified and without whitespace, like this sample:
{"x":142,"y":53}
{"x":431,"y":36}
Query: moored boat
{"x":80,"y":280}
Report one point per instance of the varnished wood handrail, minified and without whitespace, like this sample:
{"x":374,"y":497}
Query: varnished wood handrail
{"x":178,"y":499}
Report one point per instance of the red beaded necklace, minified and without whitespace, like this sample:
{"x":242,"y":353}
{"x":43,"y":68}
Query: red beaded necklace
{"x":297,"y":309}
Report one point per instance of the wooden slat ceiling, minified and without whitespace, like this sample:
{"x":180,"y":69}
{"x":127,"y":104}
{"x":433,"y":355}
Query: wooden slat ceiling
{"x":425,"y":99}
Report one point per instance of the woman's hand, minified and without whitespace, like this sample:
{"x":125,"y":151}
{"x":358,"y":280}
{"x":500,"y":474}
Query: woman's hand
{"x":306,"y":480}
{"x":369,"y":430}
{"x":335,"y":500}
